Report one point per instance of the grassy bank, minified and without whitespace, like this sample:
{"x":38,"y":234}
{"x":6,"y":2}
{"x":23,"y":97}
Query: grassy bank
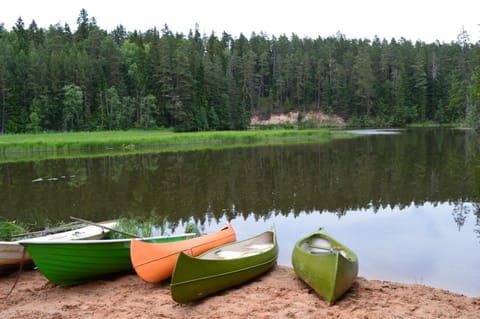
{"x":23,"y":147}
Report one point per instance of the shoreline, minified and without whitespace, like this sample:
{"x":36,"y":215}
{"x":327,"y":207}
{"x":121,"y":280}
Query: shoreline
{"x":45,"y":146}
{"x":276,"y":294}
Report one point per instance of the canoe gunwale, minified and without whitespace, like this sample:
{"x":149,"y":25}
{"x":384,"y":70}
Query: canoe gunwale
{"x":100,"y":241}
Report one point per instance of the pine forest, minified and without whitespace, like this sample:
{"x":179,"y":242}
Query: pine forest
{"x":54,"y":80}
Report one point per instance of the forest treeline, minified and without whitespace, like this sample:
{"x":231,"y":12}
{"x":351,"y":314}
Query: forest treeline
{"x":90,"y":79}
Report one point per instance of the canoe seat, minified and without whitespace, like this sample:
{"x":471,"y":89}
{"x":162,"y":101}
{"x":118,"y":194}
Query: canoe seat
{"x":228,"y":254}
{"x":247,"y":251}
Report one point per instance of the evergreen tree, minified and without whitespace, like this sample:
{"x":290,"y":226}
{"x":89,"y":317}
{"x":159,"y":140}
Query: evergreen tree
{"x":474,"y":116}
{"x":419,"y":94}
{"x":83,"y":26}
{"x":400,"y":108}
{"x":72,"y":107}
{"x":364,"y":79}
{"x":4,"y":59}
{"x":149,"y":110}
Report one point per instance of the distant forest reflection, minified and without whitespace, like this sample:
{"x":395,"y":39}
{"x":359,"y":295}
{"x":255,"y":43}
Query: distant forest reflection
{"x":368,"y":172}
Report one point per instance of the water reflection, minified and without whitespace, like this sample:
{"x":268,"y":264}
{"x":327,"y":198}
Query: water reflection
{"x":372,"y":172}
{"x":299,"y":187}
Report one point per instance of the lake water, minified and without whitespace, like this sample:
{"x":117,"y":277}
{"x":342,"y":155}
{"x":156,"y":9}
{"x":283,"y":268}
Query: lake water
{"x":407,"y":202}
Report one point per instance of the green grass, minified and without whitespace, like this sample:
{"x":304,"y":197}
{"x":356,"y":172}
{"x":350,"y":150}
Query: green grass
{"x":8,"y":229}
{"x":15,"y":230}
{"x":154,"y":225}
{"x":23,"y":147}
{"x":431,"y":124}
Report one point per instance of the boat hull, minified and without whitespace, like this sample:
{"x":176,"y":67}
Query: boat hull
{"x":330,"y":270}
{"x":196,"y":278}
{"x":76,"y":262}
{"x":154,"y":262}
{"x":12,"y":253}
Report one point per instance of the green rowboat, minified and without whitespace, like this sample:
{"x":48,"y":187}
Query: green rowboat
{"x":223,"y":267}
{"x":12,"y":254}
{"x":76,"y":262}
{"x":324,"y":264}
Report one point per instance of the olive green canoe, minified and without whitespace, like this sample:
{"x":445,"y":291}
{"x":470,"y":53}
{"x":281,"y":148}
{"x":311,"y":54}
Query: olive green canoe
{"x":223,"y":267}
{"x":77,"y":261}
{"x":326,"y":265}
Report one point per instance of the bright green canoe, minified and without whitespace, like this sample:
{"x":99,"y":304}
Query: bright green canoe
{"x":223,"y":267}
{"x":324,"y":264}
{"x":76,"y":262}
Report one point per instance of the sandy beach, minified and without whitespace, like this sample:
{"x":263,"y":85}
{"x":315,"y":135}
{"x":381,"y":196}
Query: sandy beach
{"x":277,"y":294}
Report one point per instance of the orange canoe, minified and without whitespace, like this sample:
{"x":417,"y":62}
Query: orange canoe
{"x":154,"y":262}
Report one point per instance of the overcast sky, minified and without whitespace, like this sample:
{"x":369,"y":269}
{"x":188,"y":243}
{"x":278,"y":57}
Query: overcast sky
{"x":414,"y":20}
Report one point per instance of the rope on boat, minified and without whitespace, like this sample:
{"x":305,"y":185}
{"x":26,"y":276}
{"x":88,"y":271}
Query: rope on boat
{"x":18,"y":274}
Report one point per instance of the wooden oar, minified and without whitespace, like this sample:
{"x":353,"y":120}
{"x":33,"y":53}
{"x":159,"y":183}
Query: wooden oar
{"x":105,"y":227}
